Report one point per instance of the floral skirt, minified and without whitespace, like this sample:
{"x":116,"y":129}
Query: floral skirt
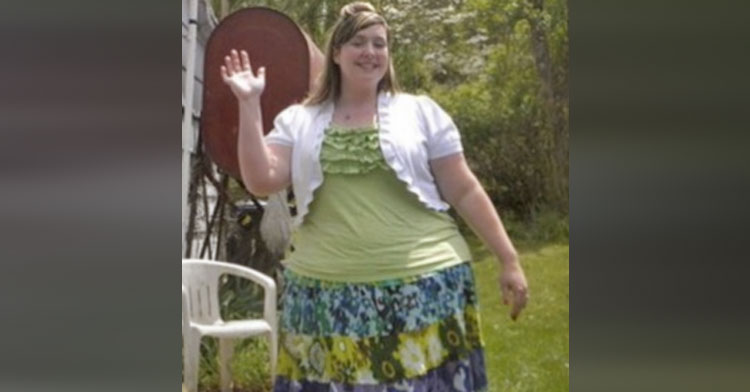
{"x":414,"y":334}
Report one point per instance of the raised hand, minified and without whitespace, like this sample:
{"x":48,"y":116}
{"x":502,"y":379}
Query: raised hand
{"x":238,"y":75}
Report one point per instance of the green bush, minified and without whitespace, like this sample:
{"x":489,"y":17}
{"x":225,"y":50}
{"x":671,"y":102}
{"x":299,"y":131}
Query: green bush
{"x":539,"y":228}
{"x":250,"y":366}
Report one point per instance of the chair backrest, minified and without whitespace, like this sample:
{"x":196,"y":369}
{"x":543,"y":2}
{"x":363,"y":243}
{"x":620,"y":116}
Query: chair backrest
{"x":201,"y":279}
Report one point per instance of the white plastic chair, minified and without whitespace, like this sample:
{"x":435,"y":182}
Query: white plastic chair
{"x":201,"y":316}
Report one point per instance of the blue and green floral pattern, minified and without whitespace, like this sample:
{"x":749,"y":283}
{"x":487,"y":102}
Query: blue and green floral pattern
{"x":315,"y":307}
{"x":415,"y":334}
{"x":464,"y":375}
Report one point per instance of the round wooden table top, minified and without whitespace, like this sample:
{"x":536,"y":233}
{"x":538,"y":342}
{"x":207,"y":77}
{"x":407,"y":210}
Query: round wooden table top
{"x":272,"y":40}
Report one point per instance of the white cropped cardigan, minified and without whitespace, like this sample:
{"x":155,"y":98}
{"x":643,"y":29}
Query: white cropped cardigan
{"x":413,"y":131}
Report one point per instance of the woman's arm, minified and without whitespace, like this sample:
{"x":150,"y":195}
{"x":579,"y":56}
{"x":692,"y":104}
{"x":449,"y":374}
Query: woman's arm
{"x":461,"y":189}
{"x":265,"y":169}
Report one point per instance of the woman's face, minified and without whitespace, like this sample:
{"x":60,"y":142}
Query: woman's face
{"x":364,"y":58}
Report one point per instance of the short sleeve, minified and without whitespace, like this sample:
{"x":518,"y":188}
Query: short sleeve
{"x":443,"y":138}
{"x":283,"y":129}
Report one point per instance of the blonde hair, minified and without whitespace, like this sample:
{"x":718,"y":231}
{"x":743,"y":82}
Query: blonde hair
{"x":352,"y":18}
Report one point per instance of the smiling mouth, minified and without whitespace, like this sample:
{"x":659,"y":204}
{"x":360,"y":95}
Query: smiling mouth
{"x":368,"y":66}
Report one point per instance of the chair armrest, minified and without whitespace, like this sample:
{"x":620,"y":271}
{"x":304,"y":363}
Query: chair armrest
{"x":262,"y":279}
{"x":268,"y":284}
{"x":221,"y":267}
{"x":185,"y":311}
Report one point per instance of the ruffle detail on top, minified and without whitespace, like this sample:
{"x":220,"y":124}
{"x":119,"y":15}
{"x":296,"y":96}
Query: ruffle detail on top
{"x":351,"y":151}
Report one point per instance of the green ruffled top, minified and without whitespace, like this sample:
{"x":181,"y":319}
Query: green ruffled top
{"x":351,"y":151}
{"x":364,"y":224}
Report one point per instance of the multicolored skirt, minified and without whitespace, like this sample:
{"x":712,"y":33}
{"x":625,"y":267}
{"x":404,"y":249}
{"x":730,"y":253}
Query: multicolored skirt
{"x":413,"y":334}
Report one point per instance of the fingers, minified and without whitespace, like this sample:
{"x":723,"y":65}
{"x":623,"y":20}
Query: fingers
{"x":236,"y":61}
{"x":245,"y":61}
{"x":229,"y":66}
{"x":232,"y":62}
{"x":520,"y":298}
{"x":506,"y":293}
{"x":225,"y":74}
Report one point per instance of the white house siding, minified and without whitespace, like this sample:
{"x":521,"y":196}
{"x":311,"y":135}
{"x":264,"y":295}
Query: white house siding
{"x":206,"y":23}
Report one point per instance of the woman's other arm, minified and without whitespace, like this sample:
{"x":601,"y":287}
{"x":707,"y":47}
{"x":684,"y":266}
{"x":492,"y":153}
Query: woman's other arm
{"x":461,"y":189}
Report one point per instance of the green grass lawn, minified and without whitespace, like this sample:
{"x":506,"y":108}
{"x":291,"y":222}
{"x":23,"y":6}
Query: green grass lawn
{"x":530,"y":354}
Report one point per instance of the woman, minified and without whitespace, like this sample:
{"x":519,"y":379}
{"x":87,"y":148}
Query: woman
{"x":379,"y":294}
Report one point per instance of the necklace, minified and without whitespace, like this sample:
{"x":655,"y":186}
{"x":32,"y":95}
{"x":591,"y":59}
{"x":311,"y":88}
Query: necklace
{"x":356,"y":116}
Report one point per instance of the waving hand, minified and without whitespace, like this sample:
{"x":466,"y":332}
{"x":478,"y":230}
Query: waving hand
{"x":238,"y":75}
